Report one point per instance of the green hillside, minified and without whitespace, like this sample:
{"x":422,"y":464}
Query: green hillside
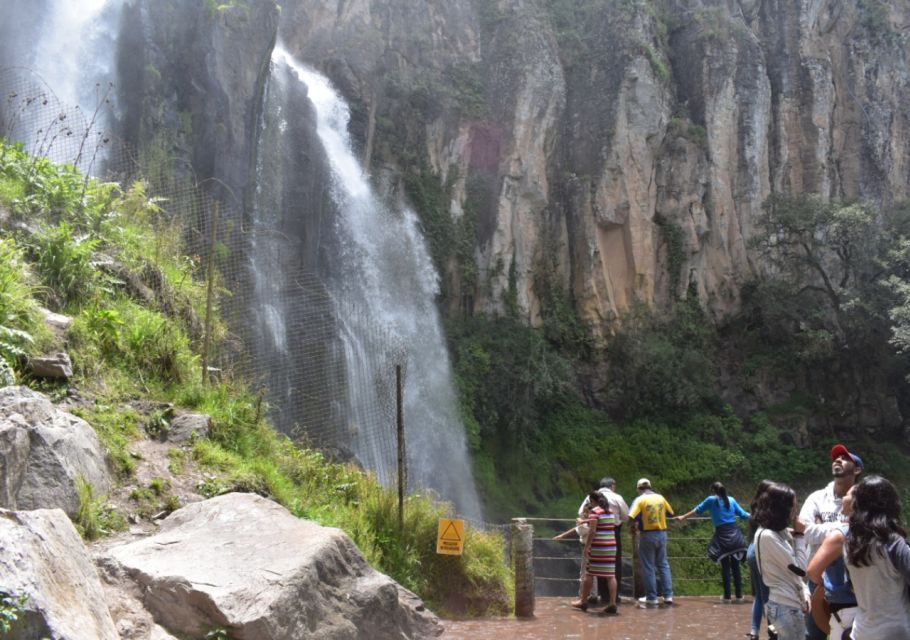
{"x":105,"y":255}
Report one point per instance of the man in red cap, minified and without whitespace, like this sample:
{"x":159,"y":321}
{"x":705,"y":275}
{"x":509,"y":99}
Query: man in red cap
{"x":822,"y":512}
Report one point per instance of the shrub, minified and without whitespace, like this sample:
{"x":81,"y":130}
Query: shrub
{"x":18,"y":311}
{"x":17,"y":303}
{"x":663,"y":367}
{"x":64,"y":262}
{"x":11,"y":609}
{"x":90,"y":514}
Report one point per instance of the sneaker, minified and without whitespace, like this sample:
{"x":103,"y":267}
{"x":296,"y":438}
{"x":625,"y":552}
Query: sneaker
{"x":645,"y":603}
{"x":726,"y":601}
{"x":739,"y":599}
{"x":610,"y":610}
{"x":667,"y":602}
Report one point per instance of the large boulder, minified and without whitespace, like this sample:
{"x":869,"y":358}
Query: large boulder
{"x":245,"y":564}
{"x":43,"y":558}
{"x":43,"y":451}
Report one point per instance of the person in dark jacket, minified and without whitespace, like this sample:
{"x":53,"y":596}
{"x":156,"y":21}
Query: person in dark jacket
{"x":728,"y":546}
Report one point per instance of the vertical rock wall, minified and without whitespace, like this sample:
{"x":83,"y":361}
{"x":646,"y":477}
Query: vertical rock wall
{"x":609,"y":127}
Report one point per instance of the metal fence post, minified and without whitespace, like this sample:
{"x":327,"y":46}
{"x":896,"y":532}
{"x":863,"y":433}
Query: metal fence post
{"x":402,"y":454}
{"x":209,"y":294}
{"x":523,"y":564}
{"x":638,"y":585}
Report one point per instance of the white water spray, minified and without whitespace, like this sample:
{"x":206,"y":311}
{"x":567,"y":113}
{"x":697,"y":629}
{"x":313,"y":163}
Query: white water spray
{"x":387,"y":272}
{"x":75,"y":54}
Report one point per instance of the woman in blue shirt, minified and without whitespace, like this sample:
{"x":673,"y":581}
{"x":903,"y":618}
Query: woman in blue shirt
{"x":727,"y":546}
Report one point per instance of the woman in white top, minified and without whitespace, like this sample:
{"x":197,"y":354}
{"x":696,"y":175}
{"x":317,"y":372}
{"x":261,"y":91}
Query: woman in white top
{"x":878,"y":561}
{"x":781,"y":556}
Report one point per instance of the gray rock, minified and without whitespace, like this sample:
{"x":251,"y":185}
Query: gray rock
{"x":244,"y":563}
{"x":187,"y":426}
{"x":57,"y":366}
{"x":56,"y":322}
{"x":43,"y":557}
{"x":42,"y":452}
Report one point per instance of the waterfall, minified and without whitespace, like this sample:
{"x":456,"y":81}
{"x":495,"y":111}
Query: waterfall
{"x":75,"y":54}
{"x":70,"y":59}
{"x":382,"y":286}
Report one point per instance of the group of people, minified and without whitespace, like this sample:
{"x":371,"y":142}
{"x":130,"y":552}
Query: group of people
{"x":839,"y":567}
{"x":600,"y":519}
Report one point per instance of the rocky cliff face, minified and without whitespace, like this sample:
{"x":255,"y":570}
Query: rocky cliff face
{"x":625,"y":146}
{"x":191,"y":87}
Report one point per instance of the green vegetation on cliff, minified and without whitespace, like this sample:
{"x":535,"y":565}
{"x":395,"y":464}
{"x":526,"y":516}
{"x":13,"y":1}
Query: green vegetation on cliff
{"x":816,"y":355}
{"x":104,"y":255}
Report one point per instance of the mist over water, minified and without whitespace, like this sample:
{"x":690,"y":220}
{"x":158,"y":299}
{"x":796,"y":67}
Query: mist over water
{"x":384,"y":270}
{"x":75,"y":54}
{"x":69,"y":56}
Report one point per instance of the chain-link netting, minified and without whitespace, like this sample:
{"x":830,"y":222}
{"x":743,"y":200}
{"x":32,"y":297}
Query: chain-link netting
{"x":292,"y":355}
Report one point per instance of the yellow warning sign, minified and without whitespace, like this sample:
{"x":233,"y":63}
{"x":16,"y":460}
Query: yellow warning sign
{"x":450,"y":540}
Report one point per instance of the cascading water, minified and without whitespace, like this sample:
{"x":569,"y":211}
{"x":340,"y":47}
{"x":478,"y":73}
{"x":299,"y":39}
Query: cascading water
{"x":75,"y":54}
{"x":67,"y":63}
{"x":381,"y":268}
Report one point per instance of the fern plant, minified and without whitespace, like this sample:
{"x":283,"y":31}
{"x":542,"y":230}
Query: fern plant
{"x":63,"y":261}
{"x":11,"y":352}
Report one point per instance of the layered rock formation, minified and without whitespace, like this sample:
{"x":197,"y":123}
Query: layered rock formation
{"x":596,"y":135}
{"x":191,"y":86}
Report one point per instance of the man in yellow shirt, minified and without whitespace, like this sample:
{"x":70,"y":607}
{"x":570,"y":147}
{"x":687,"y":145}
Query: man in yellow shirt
{"x":649,"y":511}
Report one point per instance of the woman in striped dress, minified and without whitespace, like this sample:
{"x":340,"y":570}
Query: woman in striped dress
{"x":600,"y":552}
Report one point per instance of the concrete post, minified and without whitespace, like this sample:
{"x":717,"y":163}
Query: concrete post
{"x":523,"y":564}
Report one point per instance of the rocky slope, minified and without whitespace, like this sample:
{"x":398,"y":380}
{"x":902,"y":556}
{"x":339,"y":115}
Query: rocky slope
{"x":239,"y":562}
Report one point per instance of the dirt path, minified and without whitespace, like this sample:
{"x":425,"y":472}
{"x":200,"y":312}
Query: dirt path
{"x":691,"y":618}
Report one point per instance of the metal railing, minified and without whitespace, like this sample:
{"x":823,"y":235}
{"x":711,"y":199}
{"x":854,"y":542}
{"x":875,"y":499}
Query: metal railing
{"x":555,"y":565}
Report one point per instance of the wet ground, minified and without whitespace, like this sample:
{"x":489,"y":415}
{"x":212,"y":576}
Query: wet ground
{"x":690,"y":618}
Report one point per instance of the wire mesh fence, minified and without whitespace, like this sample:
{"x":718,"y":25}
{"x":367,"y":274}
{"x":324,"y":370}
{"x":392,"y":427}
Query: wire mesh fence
{"x":558,"y":563}
{"x":291,"y":354}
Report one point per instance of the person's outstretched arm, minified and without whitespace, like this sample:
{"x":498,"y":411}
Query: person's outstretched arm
{"x":739,"y":511}
{"x":831,"y":549}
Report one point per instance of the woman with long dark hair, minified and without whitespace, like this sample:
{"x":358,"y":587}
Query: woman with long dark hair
{"x":727,"y":546}
{"x":781,"y":557}
{"x":600,"y":552}
{"x":759,"y":590}
{"x":878,"y":560}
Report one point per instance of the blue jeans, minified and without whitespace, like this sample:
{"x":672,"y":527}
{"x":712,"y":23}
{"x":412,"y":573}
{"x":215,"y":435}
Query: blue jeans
{"x":652,"y":549}
{"x":759,"y":590}
{"x":789,"y":622}
{"x":729,"y":566}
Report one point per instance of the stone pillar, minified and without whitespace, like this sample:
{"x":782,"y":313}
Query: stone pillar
{"x":523,"y":565}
